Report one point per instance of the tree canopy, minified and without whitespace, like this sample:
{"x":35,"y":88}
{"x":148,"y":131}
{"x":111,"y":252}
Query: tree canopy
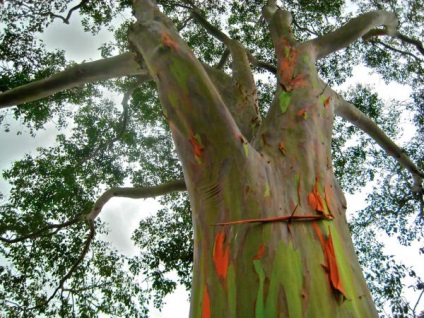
{"x":52,"y":261}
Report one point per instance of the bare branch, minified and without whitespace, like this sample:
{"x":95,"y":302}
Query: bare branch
{"x":398,"y":35}
{"x":135,"y":193}
{"x":303,"y":28}
{"x":100,"y":70}
{"x":269,"y":67}
{"x":414,"y":42}
{"x":223,"y":59}
{"x":397,"y":50}
{"x":66,"y":20}
{"x":353,"y":30}
{"x":39,"y":232}
{"x":352,"y":114}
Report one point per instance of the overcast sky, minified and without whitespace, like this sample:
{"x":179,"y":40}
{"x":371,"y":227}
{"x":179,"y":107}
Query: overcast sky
{"x":123,"y":215}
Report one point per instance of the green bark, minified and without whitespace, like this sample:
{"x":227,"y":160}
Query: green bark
{"x":302,"y":265}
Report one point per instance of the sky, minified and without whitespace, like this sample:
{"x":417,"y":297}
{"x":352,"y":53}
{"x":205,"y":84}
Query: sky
{"x":123,"y":215}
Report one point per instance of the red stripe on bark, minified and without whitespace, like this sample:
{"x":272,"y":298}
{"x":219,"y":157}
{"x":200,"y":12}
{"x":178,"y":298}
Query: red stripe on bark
{"x":260,"y":252}
{"x":206,"y":305}
{"x":221,"y":255}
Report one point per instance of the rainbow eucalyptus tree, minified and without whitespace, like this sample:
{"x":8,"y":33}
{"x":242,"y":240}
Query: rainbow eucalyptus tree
{"x":231,"y":103}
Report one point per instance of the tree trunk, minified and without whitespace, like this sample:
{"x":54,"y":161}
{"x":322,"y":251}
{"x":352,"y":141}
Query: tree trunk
{"x":288,"y":252}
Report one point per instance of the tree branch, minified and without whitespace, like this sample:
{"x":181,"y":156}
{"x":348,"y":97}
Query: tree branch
{"x":182,"y":82}
{"x":75,"y":265}
{"x":244,"y":87}
{"x":100,"y":70}
{"x":269,"y":67}
{"x":66,"y":20}
{"x":223,"y":59}
{"x":353,"y":30}
{"x":135,"y":193}
{"x":414,"y":42}
{"x":352,"y":114}
{"x":398,"y":35}
{"x":397,"y":50}
{"x":40,"y":231}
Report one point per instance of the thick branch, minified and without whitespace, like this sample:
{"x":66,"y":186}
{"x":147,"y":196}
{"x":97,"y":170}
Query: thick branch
{"x":117,"y":66}
{"x":352,"y":114}
{"x":353,"y":30}
{"x":135,"y":193}
{"x":198,"y":117}
{"x":244,"y":87}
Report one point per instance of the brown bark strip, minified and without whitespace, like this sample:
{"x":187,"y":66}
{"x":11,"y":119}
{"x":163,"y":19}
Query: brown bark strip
{"x":289,"y":218}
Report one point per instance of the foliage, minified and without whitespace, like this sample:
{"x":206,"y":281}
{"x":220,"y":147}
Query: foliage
{"x":63,"y":181}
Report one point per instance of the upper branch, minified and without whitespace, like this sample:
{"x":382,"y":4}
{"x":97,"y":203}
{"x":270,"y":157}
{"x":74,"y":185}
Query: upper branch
{"x":379,"y":32}
{"x":245,"y":107}
{"x":353,"y":30}
{"x":41,"y":231}
{"x":198,"y":117}
{"x":352,"y":114}
{"x":66,"y":20}
{"x":135,"y":193}
{"x":100,"y":70}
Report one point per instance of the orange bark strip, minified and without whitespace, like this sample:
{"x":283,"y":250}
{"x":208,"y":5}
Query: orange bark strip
{"x":330,"y":259}
{"x":197,"y":148}
{"x":168,"y":41}
{"x":327,"y":102}
{"x":298,"y":81}
{"x":276,"y":219}
{"x":333,"y":270}
{"x":302,"y":113}
{"x":319,"y":233}
{"x":260,"y":252}
{"x":221,"y":255}
{"x":206,"y":305}
{"x":282,"y":149}
{"x":315,"y":200}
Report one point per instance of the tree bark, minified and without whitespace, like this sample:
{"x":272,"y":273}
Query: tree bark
{"x":297,"y":258}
